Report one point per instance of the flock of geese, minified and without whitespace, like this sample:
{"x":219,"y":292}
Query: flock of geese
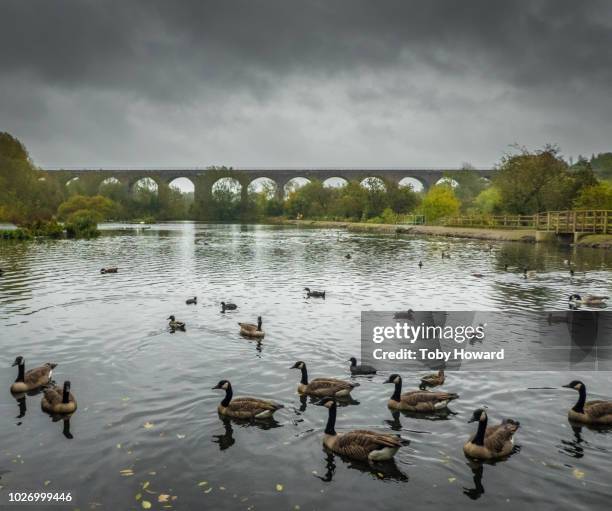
{"x":489,"y":442}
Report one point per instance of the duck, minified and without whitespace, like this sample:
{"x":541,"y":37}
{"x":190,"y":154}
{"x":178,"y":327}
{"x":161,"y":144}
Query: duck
{"x":361,"y":368}
{"x":314,"y":294}
{"x":420,"y":264}
{"x":361,"y":444}
{"x":32,"y":379}
{"x":192,"y":301}
{"x":322,"y":387}
{"x":109,"y":270}
{"x":577,"y":299}
{"x":244,"y":407}
{"x":251,"y":330}
{"x":493,"y":442}
{"x":347,"y":256}
{"x":529,"y":274}
{"x":433,"y":380}
{"x":59,"y":400}
{"x":596,"y":412}
{"x":409,"y":314}
{"x":228,"y":306}
{"x":417,"y":400}
{"x":175,"y":325}
{"x":478,"y":275}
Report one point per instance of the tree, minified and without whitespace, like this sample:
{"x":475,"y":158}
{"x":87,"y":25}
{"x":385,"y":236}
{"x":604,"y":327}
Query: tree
{"x":488,"y":202}
{"x":101,"y":207}
{"x":469,"y":184}
{"x":598,"y":196}
{"x":440,"y":201}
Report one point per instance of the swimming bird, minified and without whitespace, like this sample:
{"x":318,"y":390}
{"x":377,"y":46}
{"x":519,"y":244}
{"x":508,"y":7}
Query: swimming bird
{"x":175,"y":325}
{"x":322,"y":387}
{"x":228,"y":306}
{"x":409,"y":314}
{"x":433,"y":380}
{"x":420,"y":264}
{"x":529,"y":274}
{"x":361,"y":444}
{"x":59,"y":400}
{"x":32,"y":379}
{"x":109,"y":270}
{"x":572,"y":272}
{"x":589,"y":412}
{"x":417,"y":400}
{"x":361,"y":368}
{"x":577,"y":299}
{"x":314,"y":294}
{"x":1,"y":271}
{"x":347,"y":256}
{"x":505,"y":266}
{"x":478,"y":275}
{"x":244,"y":407}
{"x":192,"y":301}
{"x":492,"y":442}
{"x":251,"y":330}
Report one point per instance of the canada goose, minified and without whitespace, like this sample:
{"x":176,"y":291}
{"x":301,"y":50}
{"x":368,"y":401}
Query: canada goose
{"x":251,"y":330}
{"x":572,"y":272}
{"x":322,"y":387}
{"x":576,"y":299}
{"x":493,"y":442}
{"x":478,"y":275}
{"x":228,"y":306}
{"x":109,"y":270}
{"x":445,"y":255}
{"x":420,"y":264}
{"x":417,"y":400}
{"x":175,"y":325}
{"x":244,"y":407}
{"x":361,"y":368}
{"x":361,"y":444}
{"x":33,"y":379}
{"x":433,"y":380}
{"x":506,"y":267}
{"x":58,"y":400}
{"x":589,"y":412}
{"x":529,"y":274}
{"x":1,"y":271}
{"x":409,"y":314}
{"x":192,"y":301}
{"x":314,"y":294}
{"x":347,"y":256}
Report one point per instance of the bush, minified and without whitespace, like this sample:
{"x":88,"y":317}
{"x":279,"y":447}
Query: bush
{"x":48,"y":228}
{"x":439,"y":202}
{"x":102,"y":206}
{"x":83,"y":224}
{"x":598,"y":196}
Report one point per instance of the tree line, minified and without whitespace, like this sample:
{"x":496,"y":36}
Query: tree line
{"x":527,"y":181}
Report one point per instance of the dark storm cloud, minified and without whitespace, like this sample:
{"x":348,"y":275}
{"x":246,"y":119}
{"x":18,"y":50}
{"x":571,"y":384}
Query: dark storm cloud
{"x":115,"y":79}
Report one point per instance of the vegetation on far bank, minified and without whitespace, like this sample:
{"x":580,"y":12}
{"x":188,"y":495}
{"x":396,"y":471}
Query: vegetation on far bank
{"x":527,"y":182}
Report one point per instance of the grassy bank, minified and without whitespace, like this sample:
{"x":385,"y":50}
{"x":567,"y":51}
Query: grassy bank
{"x":596,"y":241}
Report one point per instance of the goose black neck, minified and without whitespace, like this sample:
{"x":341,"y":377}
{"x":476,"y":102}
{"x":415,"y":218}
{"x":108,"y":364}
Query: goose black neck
{"x":398,"y":392}
{"x":480,"y":434}
{"x":579,"y":406}
{"x":353,"y":363}
{"x":304,"y":376}
{"x":66,"y":394}
{"x":259,"y":324}
{"x":228,"y":396}
{"x":21,"y":373}
{"x":331,"y":421}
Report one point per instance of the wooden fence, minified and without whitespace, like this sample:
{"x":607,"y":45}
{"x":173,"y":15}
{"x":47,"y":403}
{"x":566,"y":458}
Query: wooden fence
{"x":588,"y":221}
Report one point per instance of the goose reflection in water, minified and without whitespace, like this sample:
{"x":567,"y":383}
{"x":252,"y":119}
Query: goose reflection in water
{"x":383,"y":470}
{"x":226,"y":440}
{"x":575,"y":447}
{"x":478,"y":490}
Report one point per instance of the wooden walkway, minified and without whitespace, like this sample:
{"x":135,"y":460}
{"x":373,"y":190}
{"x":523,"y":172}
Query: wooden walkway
{"x":562,"y":222}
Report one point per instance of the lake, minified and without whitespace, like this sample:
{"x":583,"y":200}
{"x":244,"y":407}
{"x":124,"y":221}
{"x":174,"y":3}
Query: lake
{"x":147,"y":428}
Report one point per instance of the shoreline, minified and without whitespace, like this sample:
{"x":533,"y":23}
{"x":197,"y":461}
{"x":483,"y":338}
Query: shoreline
{"x":520,"y":235}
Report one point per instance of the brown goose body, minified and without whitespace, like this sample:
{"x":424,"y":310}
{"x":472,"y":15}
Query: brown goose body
{"x":33,"y":379}
{"x":596,"y":412}
{"x":322,"y":387}
{"x":252,"y":330}
{"x":421,"y":401}
{"x":490,"y":443}
{"x":433,"y":380}
{"x":59,"y":400}
{"x":247,"y":408}
{"x":361,"y":444}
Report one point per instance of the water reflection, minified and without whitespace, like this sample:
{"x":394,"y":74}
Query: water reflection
{"x":478,"y":490}
{"x":381,"y":470}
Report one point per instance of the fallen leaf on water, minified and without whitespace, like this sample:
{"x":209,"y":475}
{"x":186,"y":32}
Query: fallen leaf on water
{"x":125,"y":399}
{"x":118,"y":446}
{"x":209,"y":490}
{"x":163,"y":497}
{"x":578,"y":474}
{"x":138,"y":496}
{"x":127,"y":472}
{"x":452,"y":479}
{"x":202,"y":483}
{"x":47,"y":483}
{"x":148,"y":425}
{"x":145,"y":485}
{"x":146,"y":504}
{"x":279,"y":487}
{"x":179,"y":436}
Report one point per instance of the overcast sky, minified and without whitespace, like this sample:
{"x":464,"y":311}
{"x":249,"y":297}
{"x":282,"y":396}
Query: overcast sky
{"x":308,"y":83}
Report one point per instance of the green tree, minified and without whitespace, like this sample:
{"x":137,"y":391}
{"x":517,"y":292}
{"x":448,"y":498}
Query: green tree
{"x":488,"y":202}
{"x":440,"y":201}
{"x":469,"y":184}
{"x":598,"y":196}
{"x":103,"y":207}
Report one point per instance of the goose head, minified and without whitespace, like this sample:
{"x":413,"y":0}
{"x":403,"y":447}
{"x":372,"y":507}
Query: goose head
{"x":18,"y":361}
{"x":223,"y":385}
{"x":574,"y":384}
{"x":172,"y":318}
{"x":479,"y":415}
{"x":394,"y":378}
